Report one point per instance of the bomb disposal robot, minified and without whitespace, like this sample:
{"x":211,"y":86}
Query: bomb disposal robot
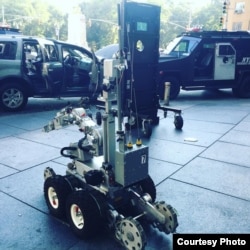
{"x":106,"y":182}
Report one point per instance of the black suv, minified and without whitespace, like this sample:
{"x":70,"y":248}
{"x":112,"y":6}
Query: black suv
{"x":207,"y":60}
{"x":36,"y":67}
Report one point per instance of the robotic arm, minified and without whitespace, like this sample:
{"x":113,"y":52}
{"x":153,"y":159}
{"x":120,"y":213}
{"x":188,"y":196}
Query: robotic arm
{"x":87,"y":147}
{"x":68,"y":116}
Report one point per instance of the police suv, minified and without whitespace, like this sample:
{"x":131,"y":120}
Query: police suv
{"x":207,"y":60}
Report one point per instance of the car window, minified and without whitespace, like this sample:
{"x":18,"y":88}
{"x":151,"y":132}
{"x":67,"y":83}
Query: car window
{"x":31,"y":49}
{"x":1,"y":48}
{"x":226,"y":50}
{"x":8,"y":50}
{"x":50,"y":53}
{"x":182,"y":46}
{"x":75,"y":52}
{"x":185,"y":46}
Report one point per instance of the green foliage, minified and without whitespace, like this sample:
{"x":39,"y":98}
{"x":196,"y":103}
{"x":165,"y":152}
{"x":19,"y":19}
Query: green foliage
{"x":176,"y":17}
{"x":41,"y":18}
{"x":209,"y":16}
{"x":35,"y":18}
{"x":102,"y":19}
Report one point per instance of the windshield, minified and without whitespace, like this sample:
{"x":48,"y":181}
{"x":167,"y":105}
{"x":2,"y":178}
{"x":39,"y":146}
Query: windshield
{"x":107,"y":52}
{"x":172,"y":45}
{"x":76,"y":53}
{"x":181,"y":46}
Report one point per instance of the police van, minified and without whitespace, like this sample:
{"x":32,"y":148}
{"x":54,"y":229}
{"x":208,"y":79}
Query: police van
{"x":207,"y":60}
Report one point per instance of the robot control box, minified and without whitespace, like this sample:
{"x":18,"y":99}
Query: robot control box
{"x":132,"y":165}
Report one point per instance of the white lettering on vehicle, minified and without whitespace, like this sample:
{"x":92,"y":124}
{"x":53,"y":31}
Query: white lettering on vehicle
{"x":245,"y":61}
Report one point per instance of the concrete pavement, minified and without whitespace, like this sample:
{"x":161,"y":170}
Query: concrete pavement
{"x":203,"y":171}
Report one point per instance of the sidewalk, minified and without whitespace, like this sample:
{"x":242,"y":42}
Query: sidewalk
{"x":203,"y":171}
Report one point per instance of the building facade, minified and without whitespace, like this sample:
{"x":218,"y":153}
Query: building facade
{"x":237,"y":15}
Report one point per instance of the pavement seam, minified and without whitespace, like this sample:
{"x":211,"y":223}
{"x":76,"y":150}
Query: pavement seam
{"x":215,"y":191}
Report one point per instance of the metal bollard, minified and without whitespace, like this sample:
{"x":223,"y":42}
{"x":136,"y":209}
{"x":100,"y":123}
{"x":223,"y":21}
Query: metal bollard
{"x":167,"y":93}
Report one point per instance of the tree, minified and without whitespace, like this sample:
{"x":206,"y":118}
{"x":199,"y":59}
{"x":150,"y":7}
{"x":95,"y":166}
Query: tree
{"x":178,"y":17}
{"x":56,"y":26}
{"x":209,"y":16}
{"x":33,"y":18}
{"x":40,"y":18}
{"x":102,"y":22}
{"x":16,"y":14}
{"x":175,"y":20}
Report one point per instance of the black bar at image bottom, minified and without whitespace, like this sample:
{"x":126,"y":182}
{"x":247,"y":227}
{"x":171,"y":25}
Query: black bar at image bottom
{"x":211,"y":241}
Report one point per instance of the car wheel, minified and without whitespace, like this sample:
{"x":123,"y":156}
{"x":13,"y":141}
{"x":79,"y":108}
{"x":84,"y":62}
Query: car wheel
{"x":13,"y":97}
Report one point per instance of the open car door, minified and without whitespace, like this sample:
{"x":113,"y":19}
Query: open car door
{"x":225,"y":60}
{"x":42,"y":67}
{"x":77,"y":67}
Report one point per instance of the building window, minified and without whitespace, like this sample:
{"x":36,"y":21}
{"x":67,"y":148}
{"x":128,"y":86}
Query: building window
{"x":239,"y":8}
{"x":237,"y":26}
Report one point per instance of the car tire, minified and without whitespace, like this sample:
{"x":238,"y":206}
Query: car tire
{"x":13,"y":97}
